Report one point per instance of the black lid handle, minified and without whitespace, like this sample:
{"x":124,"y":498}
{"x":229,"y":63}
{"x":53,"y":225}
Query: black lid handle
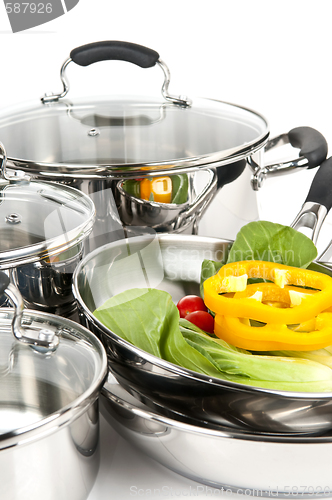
{"x":111,"y":50}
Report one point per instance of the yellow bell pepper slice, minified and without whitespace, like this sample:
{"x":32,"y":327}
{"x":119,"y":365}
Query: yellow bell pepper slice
{"x":271,"y":337}
{"x":260,"y":311}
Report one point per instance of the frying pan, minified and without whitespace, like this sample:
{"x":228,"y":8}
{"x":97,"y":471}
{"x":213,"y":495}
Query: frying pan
{"x":173,"y":263}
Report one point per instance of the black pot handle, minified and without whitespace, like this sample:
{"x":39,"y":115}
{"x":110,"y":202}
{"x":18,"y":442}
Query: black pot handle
{"x":313,"y":151}
{"x":4,"y":282}
{"x":321,"y":188}
{"x":312,"y":144}
{"x":111,"y":50}
{"x":318,"y":201}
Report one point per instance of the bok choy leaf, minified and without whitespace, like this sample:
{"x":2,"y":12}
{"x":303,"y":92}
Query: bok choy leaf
{"x":150,"y":320}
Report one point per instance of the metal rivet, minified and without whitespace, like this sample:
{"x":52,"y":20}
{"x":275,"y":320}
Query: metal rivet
{"x":93,"y":132}
{"x":46,"y":335}
{"x":13,"y":219}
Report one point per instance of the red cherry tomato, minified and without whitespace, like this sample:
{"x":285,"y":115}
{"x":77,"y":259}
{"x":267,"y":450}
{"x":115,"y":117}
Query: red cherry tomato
{"x":189,"y":304}
{"x":202,"y":319}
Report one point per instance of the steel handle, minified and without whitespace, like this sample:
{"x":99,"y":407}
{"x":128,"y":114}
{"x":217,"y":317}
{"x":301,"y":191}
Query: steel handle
{"x":318,"y":201}
{"x":313,"y":151}
{"x":111,"y":50}
{"x":201,"y":202}
{"x":44,"y":340}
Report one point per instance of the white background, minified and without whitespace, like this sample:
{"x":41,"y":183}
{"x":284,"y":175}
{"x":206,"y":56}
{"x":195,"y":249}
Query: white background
{"x":271,"y":56}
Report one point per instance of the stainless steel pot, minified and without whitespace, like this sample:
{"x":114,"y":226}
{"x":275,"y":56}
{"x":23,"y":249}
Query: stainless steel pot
{"x":92,"y":143}
{"x":224,"y":459}
{"x":43,"y":227}
{"x":51,"y":373}
{"x":173,"y":263}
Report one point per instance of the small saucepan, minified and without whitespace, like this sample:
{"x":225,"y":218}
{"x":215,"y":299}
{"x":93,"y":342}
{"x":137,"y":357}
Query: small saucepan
{"x":51,"y":374}
{"x":43,"y":227}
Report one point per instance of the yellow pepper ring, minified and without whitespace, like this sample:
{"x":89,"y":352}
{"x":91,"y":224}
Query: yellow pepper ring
{"x":273,"y":336}
{"x":272,"y":292}
{"x":253,"y":309}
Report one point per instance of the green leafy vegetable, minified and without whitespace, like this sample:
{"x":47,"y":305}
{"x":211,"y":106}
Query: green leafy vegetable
{"x":180,"y":187}
{"x":150,"y":320}
{"x":272,"y":242}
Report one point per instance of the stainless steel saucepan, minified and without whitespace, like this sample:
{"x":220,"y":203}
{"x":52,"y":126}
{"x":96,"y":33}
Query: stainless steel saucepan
{"x":173,"y":263}
{"x":43,"y":226}
{"x":51,"y":374}
{"x":93,"y":143}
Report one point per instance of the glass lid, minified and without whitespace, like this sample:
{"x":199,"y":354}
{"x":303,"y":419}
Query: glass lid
{"x":44,"y":384}
{"x":39,"y":220}
{"x":123,"y":136}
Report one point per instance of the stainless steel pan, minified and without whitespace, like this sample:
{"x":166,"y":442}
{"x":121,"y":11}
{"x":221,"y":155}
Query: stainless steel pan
{"x":224,"y":459}
{"x":173,"y":263}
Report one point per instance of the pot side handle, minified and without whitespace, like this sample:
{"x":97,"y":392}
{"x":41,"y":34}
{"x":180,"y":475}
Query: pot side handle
{"x":4,"y":282}
{"x":318,"y":201}
{"x":110,"y":50}
{"x":313,"y":151}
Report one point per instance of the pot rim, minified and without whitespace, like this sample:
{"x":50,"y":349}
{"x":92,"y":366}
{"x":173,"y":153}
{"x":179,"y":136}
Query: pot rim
{"x":70,"y":412}
{"x":75,"y":170}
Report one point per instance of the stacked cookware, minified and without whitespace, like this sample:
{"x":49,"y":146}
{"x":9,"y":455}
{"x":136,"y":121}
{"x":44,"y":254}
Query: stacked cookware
{"x":112,"y":190}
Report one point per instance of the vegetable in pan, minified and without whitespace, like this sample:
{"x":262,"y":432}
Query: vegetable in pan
{"x":292,"y":303}
{"x":163,"y":189}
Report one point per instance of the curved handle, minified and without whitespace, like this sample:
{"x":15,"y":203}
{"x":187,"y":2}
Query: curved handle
{"x":312,"y":144}
{"x":321,"y":188}
{"x":318,"y":201}
{"x":200,"y":204}
{"x":41,"y":339}
{"x":313,"y":151}
{"x":111,"y":50}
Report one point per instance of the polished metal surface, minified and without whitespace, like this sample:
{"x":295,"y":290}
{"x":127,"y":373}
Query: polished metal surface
{"x":246,"y":463}
{"x":49,"y":421}
{"x":311,"y":215}
{"x":173,"y":263}
{"x":168,"y":217}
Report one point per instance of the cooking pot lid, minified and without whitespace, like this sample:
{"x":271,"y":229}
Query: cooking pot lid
{"x":41,"y":220}
{"x":126,"y":135}
{"x":39,"y":386}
